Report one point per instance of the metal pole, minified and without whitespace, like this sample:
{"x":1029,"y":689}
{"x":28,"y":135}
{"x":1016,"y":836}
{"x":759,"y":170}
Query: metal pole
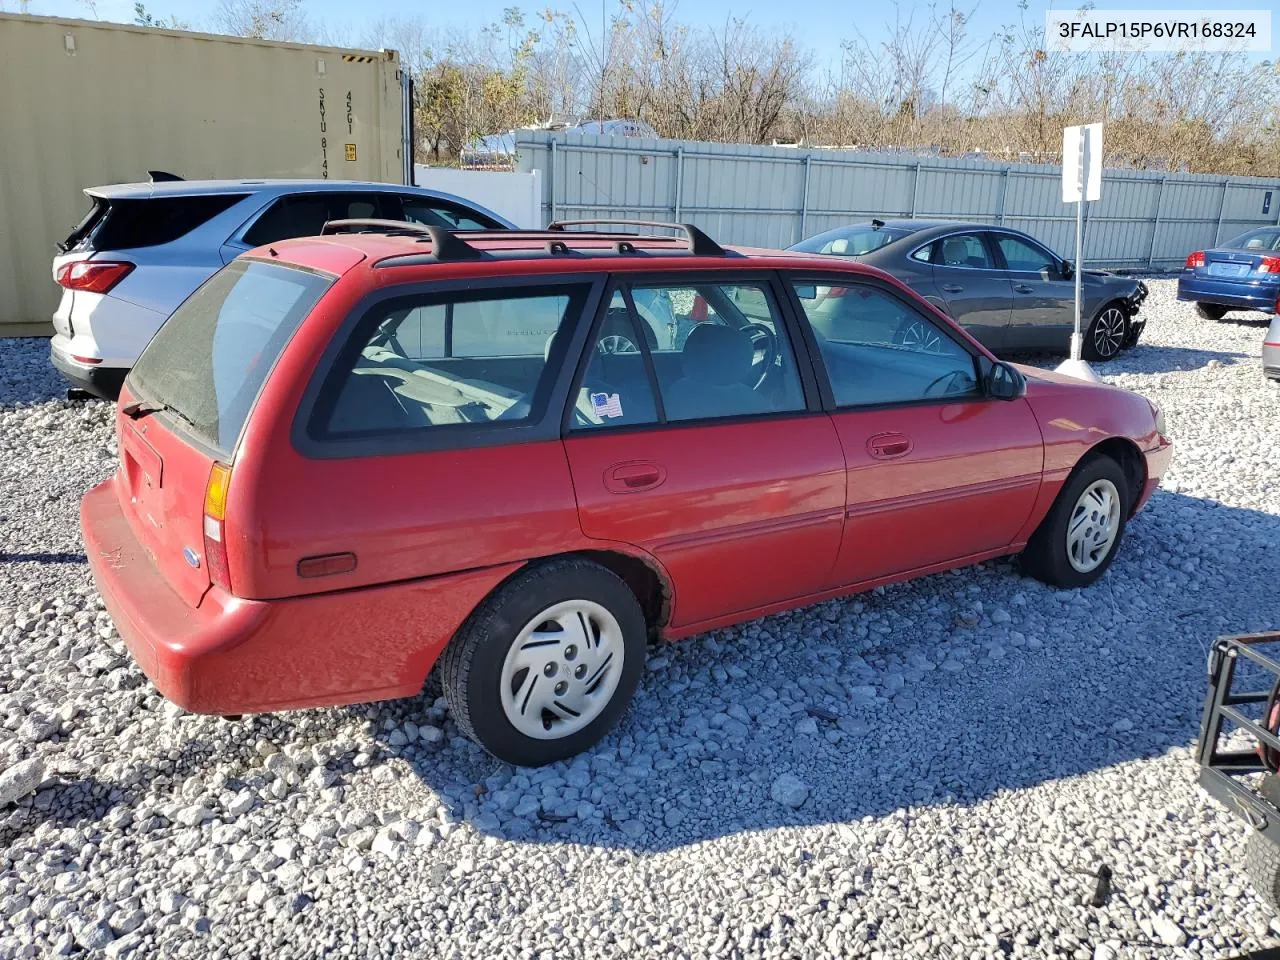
{"x":1155,"y":227}
{"x":915,"y":190}
{"x":679,"y":180}
{"x":804,"y":199}
{"x":551,"y":182}
{"x":1222,"y":209}
{"x":1004,"y":193}
{"x":406,"y":127}
{"x":1079,"y":265}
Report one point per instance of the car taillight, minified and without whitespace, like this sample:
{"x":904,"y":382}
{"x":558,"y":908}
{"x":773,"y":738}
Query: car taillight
{"x":215,"y":512}
{"x":1195,"y":260}
{"x":1269,"y":265}
{"x":93,"y":276}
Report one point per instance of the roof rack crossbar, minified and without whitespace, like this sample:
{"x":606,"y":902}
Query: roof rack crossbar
{"x":445,"y":245}
{"x":699,"y":243}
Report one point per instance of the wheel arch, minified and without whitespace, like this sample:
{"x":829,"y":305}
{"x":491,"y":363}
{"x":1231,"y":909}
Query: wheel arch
{"x":1132,"y":463}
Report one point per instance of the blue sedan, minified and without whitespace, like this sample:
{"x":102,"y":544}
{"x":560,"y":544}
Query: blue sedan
{"x":1242,"y":274}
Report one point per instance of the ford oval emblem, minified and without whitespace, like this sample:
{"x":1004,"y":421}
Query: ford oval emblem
{"x":192,"y":557}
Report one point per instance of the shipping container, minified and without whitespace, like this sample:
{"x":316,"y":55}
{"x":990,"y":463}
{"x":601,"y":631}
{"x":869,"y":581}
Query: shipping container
{"x":88,"y":103}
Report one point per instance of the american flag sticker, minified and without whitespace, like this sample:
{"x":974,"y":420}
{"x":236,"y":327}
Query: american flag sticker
{"x":606,"y":405}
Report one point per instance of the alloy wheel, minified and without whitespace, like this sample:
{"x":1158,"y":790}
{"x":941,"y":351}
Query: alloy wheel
{"x":1108,"y":333}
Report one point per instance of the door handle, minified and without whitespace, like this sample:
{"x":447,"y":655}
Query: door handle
{"x":634,"y":476}
{"x":889,"y":446}
{"x":1023,"y":288}
{"x":952,"y":288}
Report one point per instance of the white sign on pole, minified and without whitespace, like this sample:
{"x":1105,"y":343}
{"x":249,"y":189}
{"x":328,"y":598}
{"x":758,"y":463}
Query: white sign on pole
{"x":1082,"y":162}
{"x":1081,"y":182}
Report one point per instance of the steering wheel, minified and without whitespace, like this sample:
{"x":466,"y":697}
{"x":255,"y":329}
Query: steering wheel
{"x":918,"y":335}
{"x":764,"y":345}
{"x":953,"y":376}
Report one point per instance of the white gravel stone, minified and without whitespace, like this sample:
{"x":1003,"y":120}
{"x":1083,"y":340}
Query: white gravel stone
{"x":21,"y":779}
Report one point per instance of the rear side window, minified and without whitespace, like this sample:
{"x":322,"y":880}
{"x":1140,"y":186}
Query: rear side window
{"x":129,"y":224}
{"x":465,"y":359}
{"x":963,"y":250}
{"x":210,"y":359}
{"x":304,"y":215}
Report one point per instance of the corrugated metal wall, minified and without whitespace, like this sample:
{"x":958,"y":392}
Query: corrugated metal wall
{"x":88,"y":103}
{"x":775,"y":196}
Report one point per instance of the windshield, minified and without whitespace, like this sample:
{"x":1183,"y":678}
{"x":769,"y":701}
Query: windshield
{"x":210,"y":359}
{"x":854,"y":241}
{"x":1266,"y":239}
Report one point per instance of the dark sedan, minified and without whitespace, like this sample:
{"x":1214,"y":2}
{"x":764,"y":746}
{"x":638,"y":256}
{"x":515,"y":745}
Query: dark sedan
{"x":1009,"y":290}
{"x":1242,"y":274}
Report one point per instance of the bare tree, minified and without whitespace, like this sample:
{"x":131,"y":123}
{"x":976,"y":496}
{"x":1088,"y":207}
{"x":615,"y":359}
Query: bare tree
{"x":263,"y":19}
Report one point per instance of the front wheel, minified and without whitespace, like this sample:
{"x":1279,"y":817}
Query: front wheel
{"x":1107,"y":334}
{"x":1211,"y":311}
{"x":546,"y":665}
{"x":1078,"y":539}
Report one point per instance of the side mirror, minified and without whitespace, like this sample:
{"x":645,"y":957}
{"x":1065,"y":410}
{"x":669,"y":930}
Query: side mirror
{"x":1068,"y":269}
{"x":1003,"y":382}
{"x":806,"y":291}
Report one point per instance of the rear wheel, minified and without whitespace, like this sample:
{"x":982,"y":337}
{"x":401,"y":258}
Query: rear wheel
{"x":1211,"y":311}
{"x":1079,"y":538}
{"x":1107,"y":334}
{"x":547,"y":664}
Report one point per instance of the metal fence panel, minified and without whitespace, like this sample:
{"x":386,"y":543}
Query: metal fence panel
{"x":774,"y":196}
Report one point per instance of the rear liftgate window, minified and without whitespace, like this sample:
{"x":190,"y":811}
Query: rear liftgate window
{"x":210,"y":359}
{"x":146,"y":222}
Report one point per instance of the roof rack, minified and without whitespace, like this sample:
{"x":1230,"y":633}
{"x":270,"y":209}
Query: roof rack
{"x":698,"y":243}
{"x":445,"y":245}
{"x":450,"y":245}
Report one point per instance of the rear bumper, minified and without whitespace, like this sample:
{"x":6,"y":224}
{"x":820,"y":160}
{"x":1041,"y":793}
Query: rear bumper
{"x":229,"y":655}
{"x":104,"y":382}
{"x":1271,"y":353}
{"x":1248,"y":295}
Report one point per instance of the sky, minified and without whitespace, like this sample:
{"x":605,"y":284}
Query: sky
{"x":819,"y":25}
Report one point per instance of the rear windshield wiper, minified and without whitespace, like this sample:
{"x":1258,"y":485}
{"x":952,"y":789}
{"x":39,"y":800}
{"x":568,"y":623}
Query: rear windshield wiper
{"x":142,"y":408}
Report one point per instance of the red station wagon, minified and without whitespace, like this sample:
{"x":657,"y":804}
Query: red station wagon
{"x":523,"y":454}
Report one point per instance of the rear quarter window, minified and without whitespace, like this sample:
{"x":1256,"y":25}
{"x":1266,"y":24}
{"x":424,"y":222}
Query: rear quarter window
{"x":210,"y":359}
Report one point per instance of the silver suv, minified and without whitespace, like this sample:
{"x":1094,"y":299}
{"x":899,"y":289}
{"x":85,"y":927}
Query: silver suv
{"x":145,"y":247}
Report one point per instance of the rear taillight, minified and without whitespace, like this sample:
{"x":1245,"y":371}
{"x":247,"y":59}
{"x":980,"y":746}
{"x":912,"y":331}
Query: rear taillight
{"x":93,"y":276}
{"x":1269,"y":265}
{"x":215,"y":513}
{"x":1195,"y":260}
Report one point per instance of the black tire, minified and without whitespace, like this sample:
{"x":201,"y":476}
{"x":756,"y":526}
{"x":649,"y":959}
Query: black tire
{"x":1211,"y":311}
{"x":1262,"y":865}
{"x":1046,"y":554}
{"x":1107,"y":333}
{"x":471,"y":666}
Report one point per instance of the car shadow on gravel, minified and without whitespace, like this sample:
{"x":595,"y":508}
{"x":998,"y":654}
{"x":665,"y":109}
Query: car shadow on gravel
{"x":889,"y":700}
{"x":1143,"y":358}
{"x":1152,"y":358}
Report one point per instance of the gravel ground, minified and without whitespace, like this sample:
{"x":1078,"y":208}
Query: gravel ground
{"x":938,"y":769}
